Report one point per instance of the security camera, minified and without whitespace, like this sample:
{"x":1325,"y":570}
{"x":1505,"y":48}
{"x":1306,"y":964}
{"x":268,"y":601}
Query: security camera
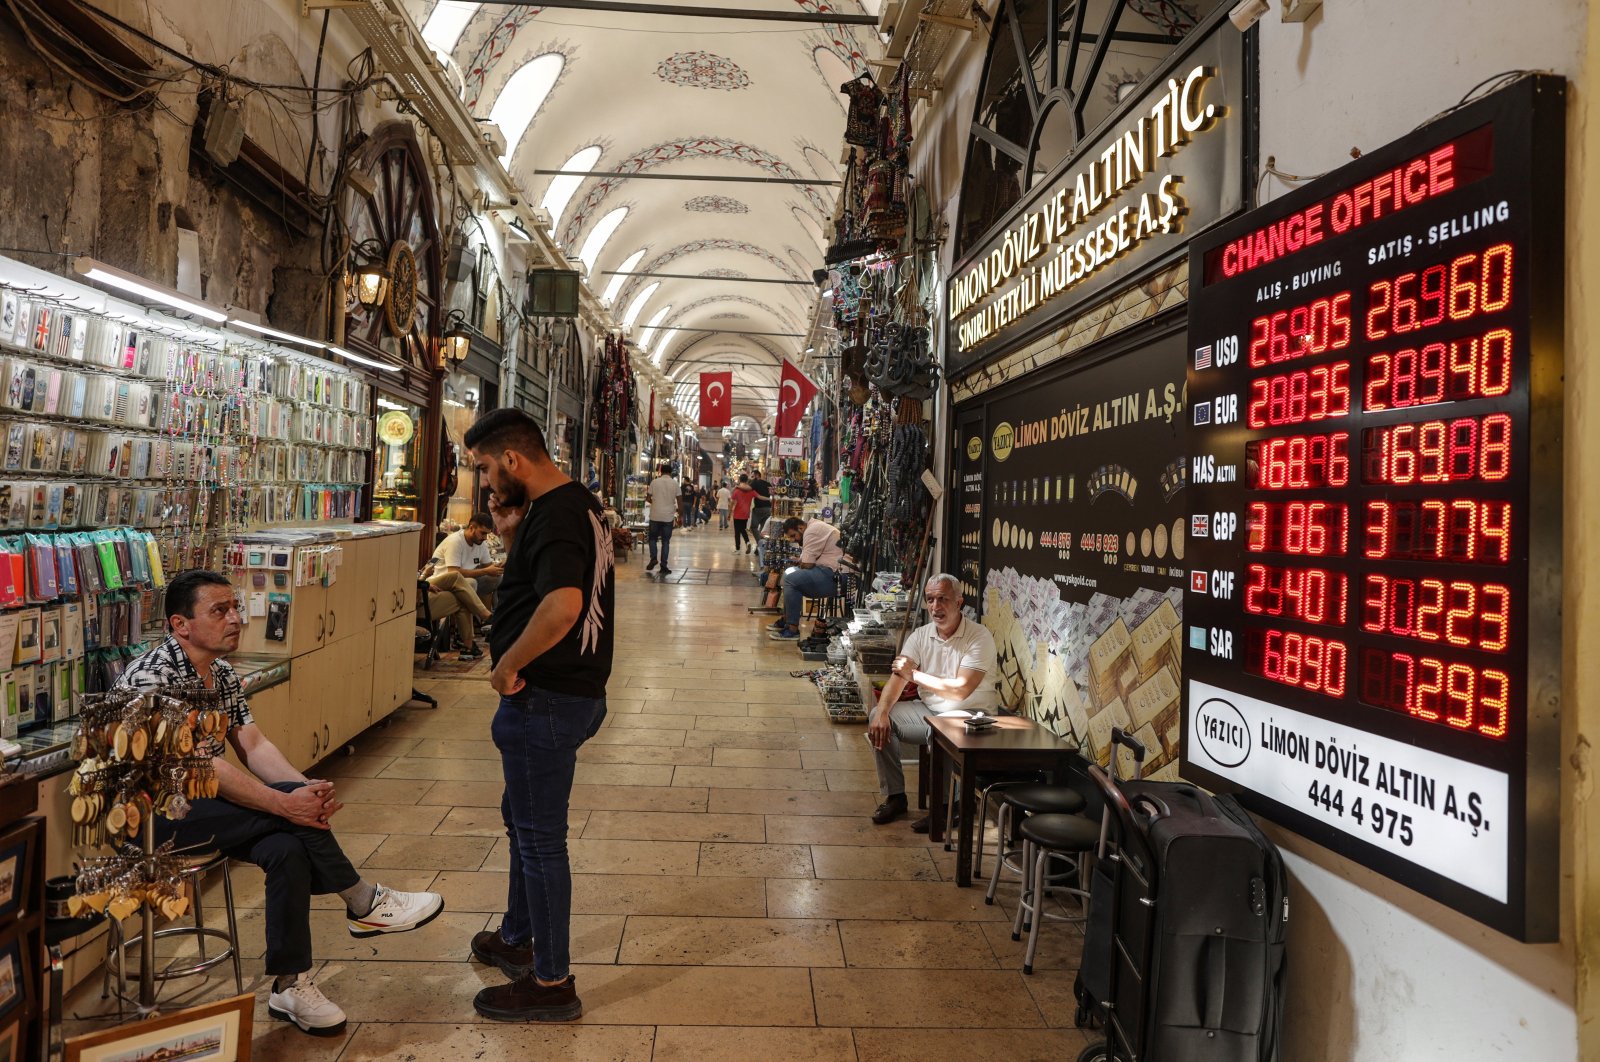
{"x":1247,"y":13}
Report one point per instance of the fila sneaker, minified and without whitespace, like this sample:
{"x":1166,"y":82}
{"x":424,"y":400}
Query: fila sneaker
{"x":396,"y":912}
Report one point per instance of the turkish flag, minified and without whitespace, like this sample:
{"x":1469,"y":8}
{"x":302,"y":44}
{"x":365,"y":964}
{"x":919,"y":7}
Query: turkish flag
{"x":794,"y":398}
{"x":716,"y":399}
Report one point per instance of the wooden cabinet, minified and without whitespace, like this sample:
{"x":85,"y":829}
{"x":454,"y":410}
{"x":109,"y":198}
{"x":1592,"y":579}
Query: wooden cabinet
{"x":351,"y":603}
{"x":272,"y":709}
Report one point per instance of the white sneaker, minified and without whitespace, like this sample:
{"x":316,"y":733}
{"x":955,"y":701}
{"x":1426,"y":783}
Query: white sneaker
{"x":396,"y":912}
{"x":304,"y":1004}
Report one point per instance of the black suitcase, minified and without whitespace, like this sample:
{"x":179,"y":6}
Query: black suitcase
{"x":1184,"y":949}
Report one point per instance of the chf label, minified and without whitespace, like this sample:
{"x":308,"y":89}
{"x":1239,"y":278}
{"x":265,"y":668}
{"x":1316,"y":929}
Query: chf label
{"x":1223,"y":525}
{"x":1222,"y":584}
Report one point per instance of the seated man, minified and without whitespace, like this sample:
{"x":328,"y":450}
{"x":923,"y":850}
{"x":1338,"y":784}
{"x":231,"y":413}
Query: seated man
{"x":272,"y":816}
{"x":816,"y":575}
{"x":952,"y":661}
{"x":458,"y":603}
{"x":466,"y":551}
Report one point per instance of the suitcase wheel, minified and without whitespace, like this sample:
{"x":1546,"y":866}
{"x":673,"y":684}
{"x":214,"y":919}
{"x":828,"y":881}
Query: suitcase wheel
{"x":1095,"y":1053}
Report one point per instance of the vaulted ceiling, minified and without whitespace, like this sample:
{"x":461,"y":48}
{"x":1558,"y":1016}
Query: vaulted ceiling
{"x":673,"y":96}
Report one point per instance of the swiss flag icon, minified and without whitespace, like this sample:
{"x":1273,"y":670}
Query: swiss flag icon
{"x":1197,"y":582}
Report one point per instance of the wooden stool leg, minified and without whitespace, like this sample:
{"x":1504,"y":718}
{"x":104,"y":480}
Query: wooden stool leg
{"x":924,"y":765}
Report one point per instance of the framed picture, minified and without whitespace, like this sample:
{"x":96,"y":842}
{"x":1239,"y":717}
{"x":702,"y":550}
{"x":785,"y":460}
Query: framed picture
{"x":13,"y":982}
{"x":10,"y":1043}
{"x":16,"y":850}
{"x":214,"y":1032}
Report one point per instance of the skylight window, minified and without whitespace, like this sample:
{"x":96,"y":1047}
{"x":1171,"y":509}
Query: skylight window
{"x":599,"y":236}
{"x":666,"y":341}
{"x":626,"y":267}
{"x":446,"y":24}
{"x":522,"y":97}
{"x":637,"y":307}
{"x":652,"y":333}
{"x":562,"y":189}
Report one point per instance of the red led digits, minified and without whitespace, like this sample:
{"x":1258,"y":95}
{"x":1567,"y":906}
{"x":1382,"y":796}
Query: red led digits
{"x":1463,"y":530}
{"x":1308,"y":395}
{"x":1303,"y":332}
{"x":1476,"y":367}
{"x":1453,"y":694}
{"x":1305,"y":528}
{"x":1313,"y":595}
{"x":1299,"y":462}
{"x":1465,"y":614}
{"x":1305,"y":661}
{"x":1438,"y":451}
{"x":1472,"y":284}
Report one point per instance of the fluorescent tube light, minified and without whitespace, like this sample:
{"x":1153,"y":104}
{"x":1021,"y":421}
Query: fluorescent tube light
{"x":359,"y":360}
{"x":116,"y":278}
{"x":287,"y":337}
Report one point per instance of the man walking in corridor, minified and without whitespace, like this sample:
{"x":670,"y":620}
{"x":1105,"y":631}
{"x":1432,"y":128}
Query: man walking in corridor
{"x":662,"y":495}
{"x":551,"y":646}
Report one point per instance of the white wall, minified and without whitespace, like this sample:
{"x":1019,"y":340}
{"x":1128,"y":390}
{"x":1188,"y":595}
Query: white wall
{"x":1379,"y":973}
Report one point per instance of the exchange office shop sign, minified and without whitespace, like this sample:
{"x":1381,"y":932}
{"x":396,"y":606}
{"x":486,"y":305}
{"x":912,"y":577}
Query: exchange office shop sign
{"x":1374,"y":621}
{"x":1173,"y":164}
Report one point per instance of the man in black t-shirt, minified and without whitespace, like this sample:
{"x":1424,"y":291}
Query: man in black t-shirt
{"x":761,"y":508}
{"x":551,"y":647}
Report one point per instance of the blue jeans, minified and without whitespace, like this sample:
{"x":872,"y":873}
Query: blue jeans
{"x":662,"y":530}
{"x":538,"y":733}
{"x":801,"y":583}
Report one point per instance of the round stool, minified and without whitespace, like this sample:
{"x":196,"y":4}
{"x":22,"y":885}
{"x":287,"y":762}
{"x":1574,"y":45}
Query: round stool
{"x":1018,"y":800}
{"x":194,"y":874}
{"x":1047,"y":837}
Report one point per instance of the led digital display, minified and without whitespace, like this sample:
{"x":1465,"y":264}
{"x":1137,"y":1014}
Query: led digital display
{"x":1376,"y":379}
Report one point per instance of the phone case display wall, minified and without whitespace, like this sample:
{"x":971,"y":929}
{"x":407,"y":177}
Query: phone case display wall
{"x":108,"y":419}
{"x":73,"y":608}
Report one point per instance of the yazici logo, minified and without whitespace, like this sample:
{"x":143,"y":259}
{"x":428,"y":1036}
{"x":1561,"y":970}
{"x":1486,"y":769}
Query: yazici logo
{"x":1222,"y":732}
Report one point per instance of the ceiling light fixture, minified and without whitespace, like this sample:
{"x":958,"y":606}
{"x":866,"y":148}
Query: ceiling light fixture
{"x":287,"y":337}
{"x":101,"y":273}
{"x":359,"y":360}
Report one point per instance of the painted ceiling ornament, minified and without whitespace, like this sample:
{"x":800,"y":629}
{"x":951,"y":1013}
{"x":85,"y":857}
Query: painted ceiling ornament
{"x":659,"y":263}
{"x":715,"y":204}
{"x":729,"y":316}
{"x":1177,"y":17}
{"x":689,"y":148}
{"x":725,"y":274}
{"x":703,"y":70}
{"x":476,"y":71}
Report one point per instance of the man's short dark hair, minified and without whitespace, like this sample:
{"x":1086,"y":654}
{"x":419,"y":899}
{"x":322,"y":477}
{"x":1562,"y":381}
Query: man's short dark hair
{"x":184,"y":590}
{"x":663,"y":469}
{"x":794,"y":523}
{"x":743,"y":478}
{"x":483,"y":520}
{"x":500,"y":430}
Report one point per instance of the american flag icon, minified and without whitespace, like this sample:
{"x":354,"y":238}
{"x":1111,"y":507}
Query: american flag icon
{"x":1202,"y":357}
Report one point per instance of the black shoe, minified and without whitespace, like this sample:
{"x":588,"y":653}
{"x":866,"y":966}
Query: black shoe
{"x":650,"y":567}
{"x":473,"y":653}
{"x":525,"y":999}
{"x":666,"y":571}
{"x":489,"y":949}
{"x":892,"y":808}
{"x":920,"y":826}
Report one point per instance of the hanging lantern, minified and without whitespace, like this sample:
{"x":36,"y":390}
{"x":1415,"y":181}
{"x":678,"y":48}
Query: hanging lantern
{"x":457,"y":340}
{"x":371,"y":284}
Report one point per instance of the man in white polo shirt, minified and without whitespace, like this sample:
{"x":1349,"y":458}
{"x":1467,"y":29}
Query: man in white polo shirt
{"x":952,"y":661}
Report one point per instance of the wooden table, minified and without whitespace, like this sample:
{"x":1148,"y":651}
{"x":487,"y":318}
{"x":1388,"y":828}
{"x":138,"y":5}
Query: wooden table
{"x":1014,"y":744}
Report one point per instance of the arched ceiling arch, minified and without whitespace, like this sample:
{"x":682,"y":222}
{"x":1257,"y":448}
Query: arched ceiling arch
{"x":681,"y":97}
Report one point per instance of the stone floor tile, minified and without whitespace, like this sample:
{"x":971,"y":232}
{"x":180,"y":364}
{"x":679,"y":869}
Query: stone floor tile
{"x":668,"y":894}
{"x":627,"y":774}
{"x":748,"y":778}
{"x":876,"y":863}
{"x":800,"y":898}
{"x":386,"y":818}
{"x":917,"y":945}
{"x":381,"y":790}
{"x":971,"y":1045}
{"x":733,"y":1044}
{"x":755,"y":860}
{"x":498,"y":1042}
{"x":709,"y":941}
{"x":405,"y":852}
{"x":768,"y":759}
{"x":877,"y":999}
{"x":671,"y":826}
{"x":839,"y":829}
{"x":696,"y":995}
{"x":790,"y":802}
{"x":638,"y":798}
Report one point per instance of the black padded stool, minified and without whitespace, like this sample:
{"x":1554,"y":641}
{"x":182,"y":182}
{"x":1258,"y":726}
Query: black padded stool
{"x":1047,"y":837}
{"x":1020,"y":800}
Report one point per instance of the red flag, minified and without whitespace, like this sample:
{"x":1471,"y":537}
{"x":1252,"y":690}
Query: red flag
{"x":716,"y":399}
{"x":794,"y":398}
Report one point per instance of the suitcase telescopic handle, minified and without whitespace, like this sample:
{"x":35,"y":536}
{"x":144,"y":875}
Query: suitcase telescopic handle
{"x":1132,"y":744}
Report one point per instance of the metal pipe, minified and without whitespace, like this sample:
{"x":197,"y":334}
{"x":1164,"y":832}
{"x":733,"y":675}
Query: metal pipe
{"x":685,"y":11}
{"x":727,"y":179}
{"x":701,"y":276}
{"x":721,"y":331}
